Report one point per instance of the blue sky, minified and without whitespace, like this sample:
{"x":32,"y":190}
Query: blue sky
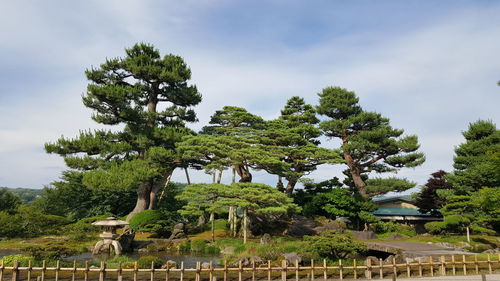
{"x":430,"y":66}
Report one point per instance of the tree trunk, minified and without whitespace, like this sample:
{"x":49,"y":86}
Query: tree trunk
{"x":219,"y":177}
{"x":244,"y":173}
{"x":212,"y":218}
{"x":233,"y":180}
{"x":356,"y":175}
{"x":143,"y":196}
{"x":289,"y":187}
{"x":214,"y":172}
{"x":146,"y":194}
{"x":245,"y":225}
{"x":187,"y":176}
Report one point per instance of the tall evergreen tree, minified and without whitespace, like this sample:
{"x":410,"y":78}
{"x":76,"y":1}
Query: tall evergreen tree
{"x":293,"y":139}
{"x":476,"y":160}
{"x":150,"y":97}
{"x":369,"y":143}
{"x":240,"y":125}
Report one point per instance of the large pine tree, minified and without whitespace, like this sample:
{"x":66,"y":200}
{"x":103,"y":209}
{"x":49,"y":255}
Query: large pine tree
{"x":368,"y":142}
{"x":148,"y":95}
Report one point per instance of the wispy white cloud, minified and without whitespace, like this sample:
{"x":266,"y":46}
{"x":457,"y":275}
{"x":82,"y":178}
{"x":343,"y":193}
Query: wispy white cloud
{"x":430,"y":79}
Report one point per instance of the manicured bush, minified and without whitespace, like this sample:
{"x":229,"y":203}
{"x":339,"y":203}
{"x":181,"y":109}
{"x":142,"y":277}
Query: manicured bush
{"x":478,"y":229}
{"x":146,"y":261}
{"x":22,"y":260}
{"x":392,"y":227}
{"x":152,"y":221}
{"x":185,"y":247}
{"x":435,"y":227}
{"x":198,"y":246}
{"x":212,"y":250}
{"x":334,"y":245}
{"x":455,"y":223}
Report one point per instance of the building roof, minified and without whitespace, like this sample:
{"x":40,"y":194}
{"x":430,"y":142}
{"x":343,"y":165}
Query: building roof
{"x":384,"y":199}
{"x":400,"y":212}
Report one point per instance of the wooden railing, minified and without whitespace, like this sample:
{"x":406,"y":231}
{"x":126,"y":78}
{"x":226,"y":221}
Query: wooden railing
{"x":365,"y":269}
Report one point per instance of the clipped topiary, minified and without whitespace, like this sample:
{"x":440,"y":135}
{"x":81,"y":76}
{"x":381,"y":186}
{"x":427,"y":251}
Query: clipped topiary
{"x":435,"y":227}
{"x":145,"y":220}
{"x":146,"y":261}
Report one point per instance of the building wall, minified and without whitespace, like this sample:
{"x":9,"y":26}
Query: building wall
{"x":399,"y":204}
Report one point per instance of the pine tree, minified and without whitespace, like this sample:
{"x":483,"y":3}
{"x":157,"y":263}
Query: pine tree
{"x":293,"y":139}
{"x":369,"y":143}
{"x":149,"y":96}
{"x":476,"y":161}
{"x":241,"y":126}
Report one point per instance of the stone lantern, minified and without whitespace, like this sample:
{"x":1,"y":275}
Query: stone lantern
{"x":109,"y":227}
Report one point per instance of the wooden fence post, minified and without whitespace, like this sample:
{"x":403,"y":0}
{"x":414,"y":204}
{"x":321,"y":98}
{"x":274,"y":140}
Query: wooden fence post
{"x":443,"y":266}
{"x":476,"y":263}
{"x":269,"y":270}
{"x":408,"y":269}
{"x":380,"y":269}
{"x":341,"y":271}
{"x":489,"y":264}
{"x":324,"y":270}
{"x":225,"y":270}
{"x":240,"y":270}
{"x":419,"y":266}
{"x":465,"y":265}
{"x":296,"y":270}
{"x":253,"y":269}
{"x":73,"y":271}
{"x":211,"y":274}
{"x":57,"y":270}
{"x":1,"y":270}
{"x":136,"y":269}
{"x":394,"y":267}
{"x":15,"y":271}
{"x":152,"y":271}
{"x":453,"y":266}
{"x":312,"y":270}
{"x":86,"y":273}
{"x":182,"y":271}
{"x":283,"y":270}
{"x":44,"y":267}
{"x":368,"y":272}
{"x":431,"y":266}
{"x":198,"y":268}
{"x":102,"y":271}
{"x":355,"y":271}
{"x":120,"y":277}
{"x":29,"y":270}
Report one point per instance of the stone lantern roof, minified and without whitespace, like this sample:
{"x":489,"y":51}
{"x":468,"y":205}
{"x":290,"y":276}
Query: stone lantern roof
{"x":111,"y":221}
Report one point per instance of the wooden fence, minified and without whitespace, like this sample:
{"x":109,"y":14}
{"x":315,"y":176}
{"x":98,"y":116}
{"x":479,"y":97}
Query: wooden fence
{"x":364,"y":269}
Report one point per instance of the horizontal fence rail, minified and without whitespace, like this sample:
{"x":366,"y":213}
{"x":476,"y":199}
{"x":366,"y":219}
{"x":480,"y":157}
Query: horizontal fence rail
{"x":357,"y":269}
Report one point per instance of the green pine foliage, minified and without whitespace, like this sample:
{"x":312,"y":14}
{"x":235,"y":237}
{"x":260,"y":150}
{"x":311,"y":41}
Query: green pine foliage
{"x":333,"y":245}
{"x":149,"y":96}
{"x":369,"y":142}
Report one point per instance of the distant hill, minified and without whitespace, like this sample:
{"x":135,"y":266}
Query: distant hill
{"x":26,"y":194}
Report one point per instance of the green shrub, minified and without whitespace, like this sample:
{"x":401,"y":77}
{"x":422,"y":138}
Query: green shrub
{"x":220,"y":224}
{"x":10,"y":227}
{"x":435,"y":227}
{"x":152,"y":221}
{"x":21,"y":259}
{"x":455,"y":223}
{"x":478,"y":229}
{"x":145,"y":219}
{"x":212,"y":250}
{"x":146,"y":261}
{"x":392,"y":227}
{"x":198,"y":246}
{"x":269,"y":252}
{"x":185,"y":247}
{"x":334,"y":245}
{"x":50,"y":252}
